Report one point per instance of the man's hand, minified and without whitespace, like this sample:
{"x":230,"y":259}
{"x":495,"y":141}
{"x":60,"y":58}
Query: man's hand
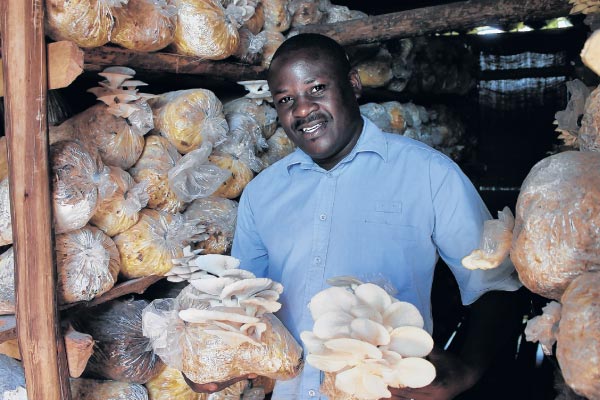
{"x":214,"y":386}
{"x":452,"y":378}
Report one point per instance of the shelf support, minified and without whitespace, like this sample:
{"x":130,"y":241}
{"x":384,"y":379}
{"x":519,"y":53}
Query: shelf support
{"x":25,"y":80}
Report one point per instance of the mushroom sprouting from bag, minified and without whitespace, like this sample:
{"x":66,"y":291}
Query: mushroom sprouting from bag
{"x":221,"y":326}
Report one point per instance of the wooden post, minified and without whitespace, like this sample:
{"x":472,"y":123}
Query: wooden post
{"x":38,"y":328}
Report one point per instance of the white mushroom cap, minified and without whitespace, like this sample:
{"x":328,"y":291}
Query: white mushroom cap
{"x":413,"y":372}
{"x":357,"y":347}
{"x":364,"y":310}
{"x":232,"y":339}
{"x":332,"y":361}
{"x":257,"y":306}
{"x":402,"y":313}
{"x":410,"y":341}
{"x":246,"y":287}
{"x":369,"y":331}
{"x":333,"y":324}
{"x":332,"y":299}
{"x":373,"y":295}
{"x":213,"y":286}
{"x":313,"y":343}
{"x":214,"y":263}
{"x":362,"y":385}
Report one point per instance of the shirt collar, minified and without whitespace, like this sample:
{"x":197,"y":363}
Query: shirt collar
{"x":370,"y":140}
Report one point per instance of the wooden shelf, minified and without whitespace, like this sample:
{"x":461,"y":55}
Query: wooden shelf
{"x":8,"y":328}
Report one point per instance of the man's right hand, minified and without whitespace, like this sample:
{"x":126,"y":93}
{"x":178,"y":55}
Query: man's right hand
{"x":213,"y":387}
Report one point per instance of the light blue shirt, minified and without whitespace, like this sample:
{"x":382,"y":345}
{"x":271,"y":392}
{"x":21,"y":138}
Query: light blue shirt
{"x":383,"y":214}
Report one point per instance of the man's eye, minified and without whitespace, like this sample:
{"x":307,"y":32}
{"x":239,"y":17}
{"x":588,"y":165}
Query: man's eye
{"x":284,"y":100}
{"x":317,"y":89}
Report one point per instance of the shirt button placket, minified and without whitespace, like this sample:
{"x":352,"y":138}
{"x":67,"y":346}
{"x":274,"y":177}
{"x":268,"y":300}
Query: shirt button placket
{"x":312,"y":393}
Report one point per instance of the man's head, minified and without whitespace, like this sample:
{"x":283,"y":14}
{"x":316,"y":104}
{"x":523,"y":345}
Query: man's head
{"x":315,"y":93}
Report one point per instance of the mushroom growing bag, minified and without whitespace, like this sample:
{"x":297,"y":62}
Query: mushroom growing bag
{"x":221,"y":326}
{"x":121,"y":352}
{"x":557,"y":223}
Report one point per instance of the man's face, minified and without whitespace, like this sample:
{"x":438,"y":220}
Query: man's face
{"x":316,"y":105}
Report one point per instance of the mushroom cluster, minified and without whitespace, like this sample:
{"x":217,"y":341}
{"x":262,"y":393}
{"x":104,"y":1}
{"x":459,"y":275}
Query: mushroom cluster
{"x":230,"y":300}
{"x":367,"y":339}
{"x":221,"y":326}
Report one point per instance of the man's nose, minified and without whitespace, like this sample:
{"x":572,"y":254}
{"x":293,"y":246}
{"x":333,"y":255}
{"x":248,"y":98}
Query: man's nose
{"x":303,"y":106}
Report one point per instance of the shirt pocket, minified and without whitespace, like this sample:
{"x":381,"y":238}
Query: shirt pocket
{"x":388,"y":218}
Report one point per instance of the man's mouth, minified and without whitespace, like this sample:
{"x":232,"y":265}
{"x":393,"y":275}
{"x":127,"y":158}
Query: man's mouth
{"x":312,"y":129}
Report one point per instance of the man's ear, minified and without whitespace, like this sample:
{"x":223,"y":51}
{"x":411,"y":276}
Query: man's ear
{"x":354,"y":79}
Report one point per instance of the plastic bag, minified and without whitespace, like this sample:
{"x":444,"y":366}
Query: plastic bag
{"x":219,"y":216}
{"x":204,"y":357}
{"x":145,"y":25}
{"x":189,"y":117}
{"x":78,"y":179}
{"x":245,"y":140}
{"x":12,"y":379}
{"x":120,"y":211}
{"x":85,"y":22}
{"x":241,"y":174}
{"x":557,"y":226}
{"x":122,"y":353}
{"x":7,"y":282}
{"x":194,"y":177}
{"x":168,"y":385}
{"x":204,"y":31}
{"x":376,"y":72}
{"x":277,"y":16}
{"x":260,"y":110}
{"x":87,"y":262}
{"x":578,"y":347}
{"x":153,"y":166}
{"x":5,"y":218}
{"x":148,"y":247}
{"x":92,"y":389}
{"x":494,"y":244}
{"x":279,"y":146}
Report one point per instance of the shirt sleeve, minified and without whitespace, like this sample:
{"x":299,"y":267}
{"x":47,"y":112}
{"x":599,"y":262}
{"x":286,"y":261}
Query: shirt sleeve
{"x":247,"y":244}
{"x":459,"y":214}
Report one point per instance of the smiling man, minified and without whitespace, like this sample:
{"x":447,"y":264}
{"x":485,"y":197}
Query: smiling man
{"x":353,"y":200}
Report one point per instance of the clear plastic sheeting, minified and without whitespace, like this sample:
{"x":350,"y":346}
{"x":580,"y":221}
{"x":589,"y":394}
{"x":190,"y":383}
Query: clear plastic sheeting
{"x":5,"y":219}
{"x":122,"y":352}
{"x":204,"y":357}
{"x":557,"y":227}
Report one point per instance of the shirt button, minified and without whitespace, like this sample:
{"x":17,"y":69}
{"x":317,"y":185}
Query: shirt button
{"x":322,"y":217}
{"x":312,"y":393}
{"x":317,"y":260}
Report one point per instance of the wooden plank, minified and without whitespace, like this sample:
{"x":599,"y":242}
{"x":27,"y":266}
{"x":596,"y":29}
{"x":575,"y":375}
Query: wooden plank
{"x":139,"y":285}
{"x":65,"y":64}
{"x":96,"y":59}
{"x":24,"y":60}
{"x":457,"y":16}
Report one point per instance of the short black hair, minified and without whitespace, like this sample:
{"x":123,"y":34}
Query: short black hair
{"x":321,"y":43}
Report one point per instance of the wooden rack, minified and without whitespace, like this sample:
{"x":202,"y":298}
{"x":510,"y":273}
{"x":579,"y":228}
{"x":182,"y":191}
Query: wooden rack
{"x":26,"y":77}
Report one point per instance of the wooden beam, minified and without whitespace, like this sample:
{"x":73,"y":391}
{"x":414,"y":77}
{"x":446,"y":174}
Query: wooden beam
{"x":25,"y":79}
{"x":96,"y":59}
{"x":457,"y":16}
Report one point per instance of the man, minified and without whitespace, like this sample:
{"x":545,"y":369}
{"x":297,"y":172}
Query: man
{"x":352,"y":200}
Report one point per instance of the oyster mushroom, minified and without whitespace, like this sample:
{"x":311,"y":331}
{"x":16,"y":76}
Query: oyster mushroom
{"x":402,"y":313}
{"x":369,"y":331}
{"x":364,"y":386}
{"x":413,"y":372}
{"x":374,"y":296}
{"x":333,"y":324}
{"x":194,"y":315}
{"x":332,"y":299}
{"x":410,"y":341}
